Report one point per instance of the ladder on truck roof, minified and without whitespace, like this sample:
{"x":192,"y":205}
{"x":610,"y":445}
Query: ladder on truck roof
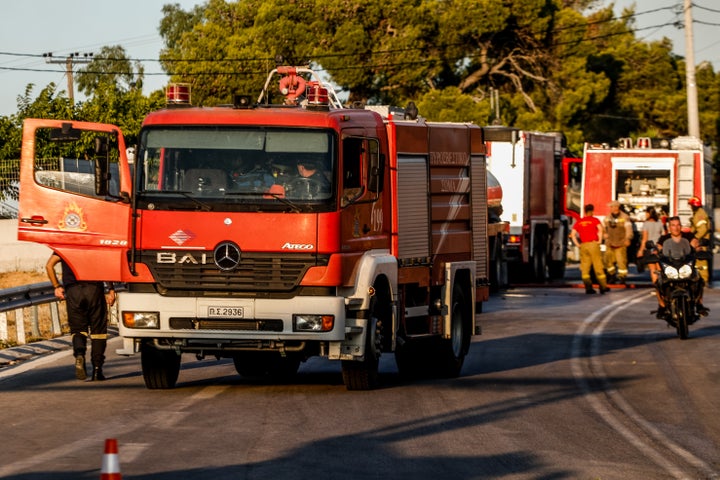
{"x":686,"y":147}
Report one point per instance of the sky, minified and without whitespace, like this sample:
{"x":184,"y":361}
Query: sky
{"x":29,"y":28}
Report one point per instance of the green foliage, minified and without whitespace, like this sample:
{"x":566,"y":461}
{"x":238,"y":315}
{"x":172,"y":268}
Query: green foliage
{"x":550,"y":65}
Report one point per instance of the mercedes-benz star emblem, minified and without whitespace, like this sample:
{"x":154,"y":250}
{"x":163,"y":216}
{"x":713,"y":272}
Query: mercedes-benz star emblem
{"x":227,"y":256}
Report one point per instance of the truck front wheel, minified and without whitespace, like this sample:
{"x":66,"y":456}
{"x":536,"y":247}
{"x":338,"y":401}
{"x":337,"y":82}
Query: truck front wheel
{"x":160,"y":368}
{"x":363,"y":375}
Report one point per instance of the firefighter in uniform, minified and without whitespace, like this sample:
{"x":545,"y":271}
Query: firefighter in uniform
{"x":587,"y":234}
{"x":700,"y":227}
{"x":86,"y":304}
{"x":618,"y":236}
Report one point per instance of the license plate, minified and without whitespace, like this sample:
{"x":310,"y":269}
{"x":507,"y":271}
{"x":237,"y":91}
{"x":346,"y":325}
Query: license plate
{"x":226,"y":312}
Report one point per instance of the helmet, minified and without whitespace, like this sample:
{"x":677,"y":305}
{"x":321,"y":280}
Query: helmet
{"x":694,"y":202}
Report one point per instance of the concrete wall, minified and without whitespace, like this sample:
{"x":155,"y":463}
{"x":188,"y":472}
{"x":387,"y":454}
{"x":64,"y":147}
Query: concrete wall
{"x":16,"y":256}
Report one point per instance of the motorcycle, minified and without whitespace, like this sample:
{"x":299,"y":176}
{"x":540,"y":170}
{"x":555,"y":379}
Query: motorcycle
{"x":680,"y":286}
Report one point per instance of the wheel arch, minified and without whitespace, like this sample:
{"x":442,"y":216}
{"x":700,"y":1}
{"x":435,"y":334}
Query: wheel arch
{"x":459,"y":275}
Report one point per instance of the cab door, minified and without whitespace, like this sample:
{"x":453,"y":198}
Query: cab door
{"x":75,"y":186}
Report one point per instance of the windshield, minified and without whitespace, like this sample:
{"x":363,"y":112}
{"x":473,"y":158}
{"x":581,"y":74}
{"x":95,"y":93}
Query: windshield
{"x":235,"y":168}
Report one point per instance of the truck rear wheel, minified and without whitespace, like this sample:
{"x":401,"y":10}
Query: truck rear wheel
{"x":160,"y":368}
{"x":539,"y":261}
{"x":454,"y":349}
{"x":498,"y":266}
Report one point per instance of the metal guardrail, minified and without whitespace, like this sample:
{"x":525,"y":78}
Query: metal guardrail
{"x":16,"y":299}
{"x":26,"y":296}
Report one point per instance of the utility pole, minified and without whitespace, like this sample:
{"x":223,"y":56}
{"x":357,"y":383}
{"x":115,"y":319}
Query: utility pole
{"x":692,"y":99}
{"x":69,"y":61}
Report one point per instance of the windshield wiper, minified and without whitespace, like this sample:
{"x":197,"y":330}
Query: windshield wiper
{"x":204,"y":206}
{"x":268,"y":194}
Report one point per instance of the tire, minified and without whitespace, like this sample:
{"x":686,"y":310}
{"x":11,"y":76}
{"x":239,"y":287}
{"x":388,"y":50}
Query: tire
{"x":498,"y":266}
{"x":160,"y":368}
{"x":680,"y":309}
{"x":363,"y":375}
{"x":453,"y":350}
{"x":270,"y":365}
{"x":539,"y":264}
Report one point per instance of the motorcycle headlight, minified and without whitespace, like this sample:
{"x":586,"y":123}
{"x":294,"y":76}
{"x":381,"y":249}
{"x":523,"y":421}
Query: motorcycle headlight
{"x":671,"y":272}
{"x":685,"y":271}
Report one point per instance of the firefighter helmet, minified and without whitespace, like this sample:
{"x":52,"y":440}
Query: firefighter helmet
{"x":694,"y":202}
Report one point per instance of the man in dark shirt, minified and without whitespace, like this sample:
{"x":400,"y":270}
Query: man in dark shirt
{"x":311,"y":183}
{"x":86,"y":305}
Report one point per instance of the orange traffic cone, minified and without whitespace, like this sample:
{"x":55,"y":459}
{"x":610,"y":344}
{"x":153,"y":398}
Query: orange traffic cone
{"x":110,"y":462}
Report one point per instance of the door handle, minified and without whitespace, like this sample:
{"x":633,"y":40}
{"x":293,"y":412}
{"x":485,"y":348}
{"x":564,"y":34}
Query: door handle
{"x":34,"y":220}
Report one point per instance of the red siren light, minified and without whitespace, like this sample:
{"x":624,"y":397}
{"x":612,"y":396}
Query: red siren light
{"x":317,"y":95}
{"x":643,"y":142}
{"x":178,"y":94}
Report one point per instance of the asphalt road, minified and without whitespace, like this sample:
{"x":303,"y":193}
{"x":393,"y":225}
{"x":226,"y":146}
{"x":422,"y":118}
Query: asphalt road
{"x":561,"y":385}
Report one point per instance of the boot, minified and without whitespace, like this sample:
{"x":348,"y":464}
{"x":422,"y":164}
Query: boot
{"x":80,"y":372}
{"x":97,"y":374}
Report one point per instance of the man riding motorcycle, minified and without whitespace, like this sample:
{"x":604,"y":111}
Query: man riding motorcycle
{"x":678,"y":244}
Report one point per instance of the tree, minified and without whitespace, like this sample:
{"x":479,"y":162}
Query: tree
{"x":110,"y":69}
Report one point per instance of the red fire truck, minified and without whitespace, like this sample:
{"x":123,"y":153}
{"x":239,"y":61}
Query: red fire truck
{"x":659,"y":173}
{"x":269,"y":232}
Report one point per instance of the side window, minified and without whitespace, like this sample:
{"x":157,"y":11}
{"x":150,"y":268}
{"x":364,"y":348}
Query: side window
{"x":352,"y":162}
{"x":377,"y":166}
{"x":362,"y":169}
{"x":74,"y":161}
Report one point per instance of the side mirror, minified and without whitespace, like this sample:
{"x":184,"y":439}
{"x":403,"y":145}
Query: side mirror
{"x":377,"y":172}
{"x":66,"y":133}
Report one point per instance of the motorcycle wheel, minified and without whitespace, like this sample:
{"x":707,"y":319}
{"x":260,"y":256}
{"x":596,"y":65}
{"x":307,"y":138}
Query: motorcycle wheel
{"x":680,"y":308}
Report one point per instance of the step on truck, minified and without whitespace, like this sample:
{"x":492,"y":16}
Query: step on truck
{"x":272,"y":230}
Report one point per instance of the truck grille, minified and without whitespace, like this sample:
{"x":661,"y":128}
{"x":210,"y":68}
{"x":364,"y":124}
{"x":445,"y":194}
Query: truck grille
{"x":256,"y":271}
{"x":180,"y":323}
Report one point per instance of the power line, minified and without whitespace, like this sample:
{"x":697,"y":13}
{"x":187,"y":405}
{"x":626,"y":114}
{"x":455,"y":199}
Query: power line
{"x":695,"y":5}
{"x":391,"y":51}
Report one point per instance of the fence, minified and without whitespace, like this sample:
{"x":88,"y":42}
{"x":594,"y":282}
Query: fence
{"x":9,"y":188}
{"x":15,"y":301}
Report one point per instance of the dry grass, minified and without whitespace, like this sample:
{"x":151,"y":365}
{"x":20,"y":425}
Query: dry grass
{"x":18,"y":279}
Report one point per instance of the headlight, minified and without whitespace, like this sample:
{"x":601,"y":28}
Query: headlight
{"x":141,"y":319}
{"x":313,"y":323}
{"x":671,"y":272}
{"x":685,"y":271}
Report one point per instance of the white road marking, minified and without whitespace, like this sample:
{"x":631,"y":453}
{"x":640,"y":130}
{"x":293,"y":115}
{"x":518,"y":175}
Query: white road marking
{"x":601,"y":401}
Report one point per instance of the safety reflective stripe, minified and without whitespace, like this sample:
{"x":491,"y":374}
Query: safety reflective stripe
{"x":99,"y":336}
